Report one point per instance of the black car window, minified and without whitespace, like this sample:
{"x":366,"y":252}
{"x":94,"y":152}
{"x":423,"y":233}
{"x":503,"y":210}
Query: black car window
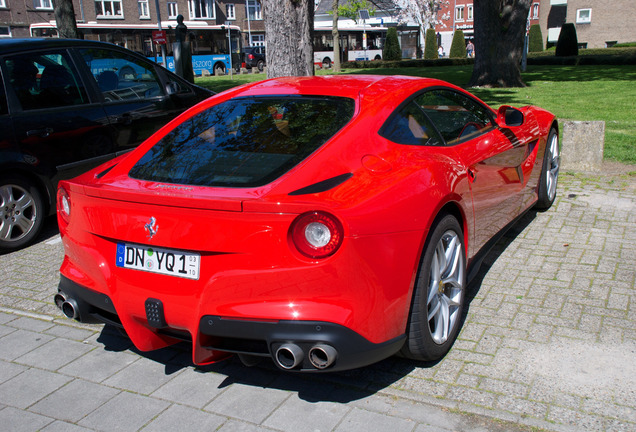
{"x":410,"y":126}
{"x":45,"y":80}
{"x":456,"y":116}
{"x":244,"y":142}
{"x":122,"y":77}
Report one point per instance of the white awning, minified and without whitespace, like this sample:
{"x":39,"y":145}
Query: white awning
{"x":558,"y":2}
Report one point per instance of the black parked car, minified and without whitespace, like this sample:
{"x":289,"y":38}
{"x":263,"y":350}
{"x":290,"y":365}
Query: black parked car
{"x":254,"y":57}
{"x":66,"y":106}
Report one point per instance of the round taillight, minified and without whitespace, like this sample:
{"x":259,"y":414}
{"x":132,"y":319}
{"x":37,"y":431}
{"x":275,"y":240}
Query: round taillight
{"x":63,"y":204}
{"x":317,"y":234}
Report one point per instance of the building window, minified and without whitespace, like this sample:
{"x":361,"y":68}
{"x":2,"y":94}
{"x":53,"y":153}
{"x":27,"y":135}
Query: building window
{"x":144,"y":12}
{"x":108,"y":9}
{"x":201,"y":9}
{"x":257,"y":40}
{"x":43,"y":4}
{"x":230,"y":11}
{"x":459,"y":13}
{"x":173,"y":10}
{"x":5,"y":31}
{"x":583,"y":16}
{"x":3,"y":4}
{"x":470,"y":13}
{"x":535,"y":11}
{"x":254,"y":10}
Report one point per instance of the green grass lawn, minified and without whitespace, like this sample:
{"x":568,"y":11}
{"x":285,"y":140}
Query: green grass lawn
{"x":606,"y":93}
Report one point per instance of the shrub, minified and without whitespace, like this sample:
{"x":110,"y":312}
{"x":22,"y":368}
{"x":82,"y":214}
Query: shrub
{"x":568,"y":44}
{"x":535,"y":39}
{"x":430,"y":45}
{"x":391,"y":49}
{"x":458,"y":47}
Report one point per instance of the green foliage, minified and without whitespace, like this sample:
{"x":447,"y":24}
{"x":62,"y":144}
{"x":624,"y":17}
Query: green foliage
{"x":392,"y":50}
{"x":568,"y":44}
{"x":351,"y":8}
{"x":625,"y":45}
{"x":535,"y":39}
{"x":430,"y":45}
{"x":458,"y":47}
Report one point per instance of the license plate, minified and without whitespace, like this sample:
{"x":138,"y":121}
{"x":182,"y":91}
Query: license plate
{"x":158,"y":260}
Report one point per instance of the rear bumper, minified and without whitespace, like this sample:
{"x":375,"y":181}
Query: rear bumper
{"x":308,"y":346}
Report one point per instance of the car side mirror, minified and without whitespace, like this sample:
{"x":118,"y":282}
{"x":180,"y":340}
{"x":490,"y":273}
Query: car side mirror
{"x":508,"y":116}
{"x":172,"y":88}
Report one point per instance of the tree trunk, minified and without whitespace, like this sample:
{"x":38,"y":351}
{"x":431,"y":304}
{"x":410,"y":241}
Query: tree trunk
{"x":289,"y":32}
{"x":65,"y":19}
{"x":336,"y":37}
{"x":500,"y":27}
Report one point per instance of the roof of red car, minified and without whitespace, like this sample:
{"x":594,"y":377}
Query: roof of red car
{"x":336,"y":85}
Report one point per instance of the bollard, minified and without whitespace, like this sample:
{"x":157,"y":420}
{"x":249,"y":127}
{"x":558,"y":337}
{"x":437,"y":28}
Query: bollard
{"x":582,"y":144}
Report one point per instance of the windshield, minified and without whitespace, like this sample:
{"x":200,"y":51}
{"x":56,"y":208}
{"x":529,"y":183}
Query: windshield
{"x":244,"y":142}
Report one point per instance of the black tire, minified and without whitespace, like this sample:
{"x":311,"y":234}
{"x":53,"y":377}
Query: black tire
{"x":326,"y":63}
{"x":260,"y":65}
{"x":549,"y":172}
{"x":219,"y":69}
{"x":440,"y":287}
{"x":21,"y":212}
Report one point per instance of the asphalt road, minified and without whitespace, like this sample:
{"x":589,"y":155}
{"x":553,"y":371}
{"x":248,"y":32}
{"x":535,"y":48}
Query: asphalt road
{"x":548,"y":342}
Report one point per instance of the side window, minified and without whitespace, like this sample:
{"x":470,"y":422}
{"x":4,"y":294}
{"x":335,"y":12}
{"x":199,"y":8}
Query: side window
{"x":456,"y":116}
{"x":410,"y":126}
{"x":120,"y":77}
{"x":3,"y":97}
{"x":45,"y":80}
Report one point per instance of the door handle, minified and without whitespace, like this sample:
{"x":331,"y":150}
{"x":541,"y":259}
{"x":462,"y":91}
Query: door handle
{"x":43,"y":133}
{"x":125,"y":119}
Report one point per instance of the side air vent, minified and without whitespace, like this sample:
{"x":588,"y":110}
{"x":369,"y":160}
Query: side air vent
{"x":323,"y":186}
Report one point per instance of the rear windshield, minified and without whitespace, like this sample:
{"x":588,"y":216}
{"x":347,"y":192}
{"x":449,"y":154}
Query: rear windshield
{"x":244,"y":142}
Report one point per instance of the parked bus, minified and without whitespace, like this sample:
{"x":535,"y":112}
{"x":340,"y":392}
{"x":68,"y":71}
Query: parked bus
{"x":351,"y":44}
{"x":209,"y":43}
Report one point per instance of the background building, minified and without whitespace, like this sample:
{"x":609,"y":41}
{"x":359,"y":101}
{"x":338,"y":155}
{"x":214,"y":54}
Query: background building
{"x":599,"y":23}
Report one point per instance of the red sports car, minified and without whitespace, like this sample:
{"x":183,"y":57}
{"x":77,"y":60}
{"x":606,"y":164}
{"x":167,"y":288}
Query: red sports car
{"x":324,"y":222}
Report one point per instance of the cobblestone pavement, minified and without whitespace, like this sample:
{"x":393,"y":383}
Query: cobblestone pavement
{"x":549,"y":342}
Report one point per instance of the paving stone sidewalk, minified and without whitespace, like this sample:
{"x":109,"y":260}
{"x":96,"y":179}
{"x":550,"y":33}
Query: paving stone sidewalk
{"x":549,"y":342}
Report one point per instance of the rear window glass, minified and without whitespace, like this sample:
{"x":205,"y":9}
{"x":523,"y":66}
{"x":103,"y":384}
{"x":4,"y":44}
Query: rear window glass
{"x":244,"y":142}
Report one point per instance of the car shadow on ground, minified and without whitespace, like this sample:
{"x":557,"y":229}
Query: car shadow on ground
{"x":341,"y":387}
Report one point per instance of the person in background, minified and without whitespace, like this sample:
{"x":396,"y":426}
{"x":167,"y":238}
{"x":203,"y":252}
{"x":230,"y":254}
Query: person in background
{"x":470,"y":49}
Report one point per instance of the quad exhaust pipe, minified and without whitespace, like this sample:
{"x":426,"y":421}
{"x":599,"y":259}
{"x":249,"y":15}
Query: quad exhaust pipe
{"x":67,"y":305}
{"x":290,"y":356}
{"x":322,"y":356}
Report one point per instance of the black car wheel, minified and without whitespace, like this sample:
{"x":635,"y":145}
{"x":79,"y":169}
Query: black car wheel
{"x":438,"y":294}
{"x":21,"y":212}
{"x":549,"y":172}
{"x":219,"y":69}
{"x":260,"y":65}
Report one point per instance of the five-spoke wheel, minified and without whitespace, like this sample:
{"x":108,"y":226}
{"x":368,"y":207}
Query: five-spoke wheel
{"x":439,"y":293}
{"x":549,"y":172}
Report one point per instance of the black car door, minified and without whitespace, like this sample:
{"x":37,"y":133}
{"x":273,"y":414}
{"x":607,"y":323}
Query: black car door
{"x":60,"y":131}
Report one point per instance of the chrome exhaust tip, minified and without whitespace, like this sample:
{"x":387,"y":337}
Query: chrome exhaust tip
{"x":322,"y":356}
{"x":70,"y":308}
{"x":288,"y":356}
{"x":59,"y":299}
